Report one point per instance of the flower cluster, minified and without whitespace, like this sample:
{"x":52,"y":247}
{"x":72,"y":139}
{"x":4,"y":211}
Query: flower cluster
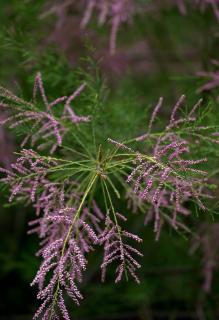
{"x":168,"y":179}
{"x":27,"y":174}
{"x":69,"y":227}
{"x":45,"y":126}
{"x":63,"y":247}
{"x":64,"y":254}
{"x":115,"y":249}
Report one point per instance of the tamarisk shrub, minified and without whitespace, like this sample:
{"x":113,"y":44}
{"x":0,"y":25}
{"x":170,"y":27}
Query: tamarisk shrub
{"x":73,"y":185}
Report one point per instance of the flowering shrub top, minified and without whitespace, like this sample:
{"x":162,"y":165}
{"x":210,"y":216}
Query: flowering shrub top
{"x":69,"y":221}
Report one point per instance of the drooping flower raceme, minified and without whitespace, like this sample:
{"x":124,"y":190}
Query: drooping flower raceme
{"x":115,"y":249}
